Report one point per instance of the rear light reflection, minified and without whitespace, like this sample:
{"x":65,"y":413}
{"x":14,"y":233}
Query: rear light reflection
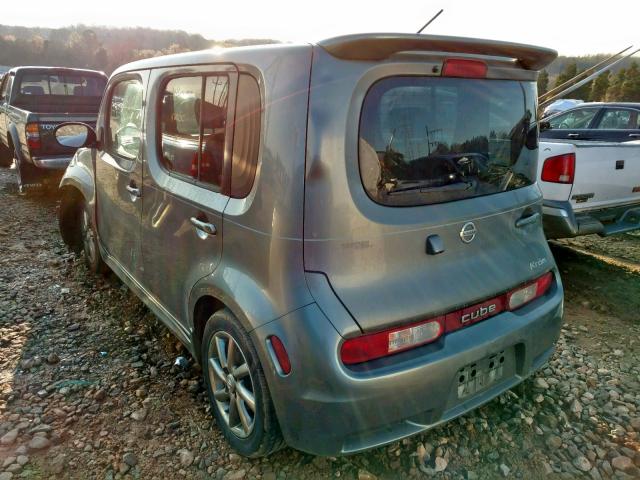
{"x":388,"y":342}
{"x":281,"y":354}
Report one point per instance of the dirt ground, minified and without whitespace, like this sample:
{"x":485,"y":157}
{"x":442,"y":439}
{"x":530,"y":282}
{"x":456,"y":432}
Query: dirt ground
{"x":89,"y":389}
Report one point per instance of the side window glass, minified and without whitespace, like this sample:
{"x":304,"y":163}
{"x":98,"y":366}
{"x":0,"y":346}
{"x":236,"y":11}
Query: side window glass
{"x":246,"y":138}
{"x":575,"y":119}
{"x":6,"y":88}
{"x":214,"y":126}
{"x":615,"y":119}
{"x":125,"y":119}
{"x":180,"y":125}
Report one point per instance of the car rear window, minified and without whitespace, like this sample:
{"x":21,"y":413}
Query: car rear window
{"x":426,"y":140}
{"x":76,"y":85}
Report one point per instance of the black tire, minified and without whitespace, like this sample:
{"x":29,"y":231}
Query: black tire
{"x":90,"y":249}
{"x":6,"y":156}
{"x":27,"y":175}
{"x":264,"y":435}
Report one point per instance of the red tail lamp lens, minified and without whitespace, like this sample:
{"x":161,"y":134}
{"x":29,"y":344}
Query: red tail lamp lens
{"x":32,"y":131}
{"x":463,"y":68}
{"x":281,"y":354}
{"x":377,"y":345}
{"x":523,"y":295}
{"x":559,"y":169}
{"x":382,"y":344}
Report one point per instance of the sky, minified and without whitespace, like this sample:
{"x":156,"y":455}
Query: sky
{"x":571,"y":27}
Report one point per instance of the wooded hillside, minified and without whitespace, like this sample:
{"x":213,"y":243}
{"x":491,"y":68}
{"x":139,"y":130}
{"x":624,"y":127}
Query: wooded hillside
{"x":101,"y":48}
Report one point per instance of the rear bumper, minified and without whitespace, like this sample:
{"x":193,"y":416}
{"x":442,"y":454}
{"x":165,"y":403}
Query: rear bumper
{"x":327,"y":409}
{"x":53,"y":162}
{"x":560,"y":221}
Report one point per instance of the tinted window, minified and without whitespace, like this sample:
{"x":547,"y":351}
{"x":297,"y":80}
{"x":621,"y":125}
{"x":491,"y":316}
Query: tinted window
{"x":246,"y":138}
{"x":6,"y":87}
{"x":615,"y":119}
{"x":66,"y":85}
{"x":431,"y":140}
{"x":179,"y":125}
{"x":214,"y":126}
{"x":125,"y":119}
{"x":193,"y":131}
{"x":580,"y":118}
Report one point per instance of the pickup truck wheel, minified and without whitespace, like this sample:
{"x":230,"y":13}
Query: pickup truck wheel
{"x":90,"y":249}
{"x":6,"y":156}
{"x":237,"y":388}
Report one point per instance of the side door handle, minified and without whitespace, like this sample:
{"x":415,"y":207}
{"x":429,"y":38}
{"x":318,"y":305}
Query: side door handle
{"x":133,"y":190}
{"x":204,"y":227}
{"x":634,"y":135}
{"x":524,"y":221}
{"x":573,"y":135}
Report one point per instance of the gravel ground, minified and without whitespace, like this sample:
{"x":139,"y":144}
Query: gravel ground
{"x":89,"y":389}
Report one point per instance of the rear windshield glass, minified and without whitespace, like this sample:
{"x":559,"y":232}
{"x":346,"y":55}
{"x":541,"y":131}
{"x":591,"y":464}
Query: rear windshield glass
{"x":76,"y":85}
{"x":432,"y":140}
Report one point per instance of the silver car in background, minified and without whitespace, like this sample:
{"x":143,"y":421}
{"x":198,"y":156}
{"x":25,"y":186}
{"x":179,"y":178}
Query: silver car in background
{"x":347,"y":235}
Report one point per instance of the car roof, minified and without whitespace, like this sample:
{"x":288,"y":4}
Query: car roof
{"x":55,"y":69}
{"x":369,"y":46}
{"x":605,"y":104}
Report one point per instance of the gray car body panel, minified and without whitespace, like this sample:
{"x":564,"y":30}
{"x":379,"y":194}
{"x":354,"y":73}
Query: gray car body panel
{"x":301,"y":255}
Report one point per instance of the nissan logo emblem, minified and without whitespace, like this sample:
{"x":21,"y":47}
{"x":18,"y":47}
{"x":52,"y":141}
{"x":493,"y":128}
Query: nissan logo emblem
{"x":468,"y":232}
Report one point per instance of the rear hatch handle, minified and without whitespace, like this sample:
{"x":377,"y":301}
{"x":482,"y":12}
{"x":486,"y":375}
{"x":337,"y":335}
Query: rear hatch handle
{"x":528,"y":220}
{"x":573,"y":135}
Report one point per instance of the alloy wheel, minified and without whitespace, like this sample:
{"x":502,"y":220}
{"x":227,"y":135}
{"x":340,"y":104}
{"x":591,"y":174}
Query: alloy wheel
{"x":232,"y":384}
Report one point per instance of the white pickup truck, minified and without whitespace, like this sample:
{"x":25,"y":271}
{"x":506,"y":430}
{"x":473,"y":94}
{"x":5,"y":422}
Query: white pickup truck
{"x":589,"y":187}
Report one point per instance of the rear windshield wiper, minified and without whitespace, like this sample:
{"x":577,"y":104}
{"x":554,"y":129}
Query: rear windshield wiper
{"x":432,"y":185}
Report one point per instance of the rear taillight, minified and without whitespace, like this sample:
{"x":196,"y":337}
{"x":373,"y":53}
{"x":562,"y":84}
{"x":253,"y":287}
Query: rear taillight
{"x":559,"y":169}
{"x":523,"y":295}
{"x":388,"y":342}
{"x":463,"y":68}
{"x":32,"y":132}
{"x":381,"y":344}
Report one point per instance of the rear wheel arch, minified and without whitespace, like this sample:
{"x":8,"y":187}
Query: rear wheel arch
{"x":72,"y":203}
{"x":204,"y":307}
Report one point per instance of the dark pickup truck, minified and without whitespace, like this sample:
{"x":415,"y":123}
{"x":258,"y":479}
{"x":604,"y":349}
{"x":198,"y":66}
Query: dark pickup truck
{"x":33,"y":101}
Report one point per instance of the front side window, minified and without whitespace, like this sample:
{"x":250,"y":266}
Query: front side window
{"x":615,"y":120}
{"x":432,"y":140}
{"x":192,"y":130}
{"x":580,"y":118}
{"x":125,"y":119}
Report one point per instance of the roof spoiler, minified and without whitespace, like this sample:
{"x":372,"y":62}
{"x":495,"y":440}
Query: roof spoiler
{"x":379,"y":46}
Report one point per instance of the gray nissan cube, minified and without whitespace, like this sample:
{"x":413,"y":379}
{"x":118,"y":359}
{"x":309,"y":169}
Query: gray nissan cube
{"x":346,"y":235}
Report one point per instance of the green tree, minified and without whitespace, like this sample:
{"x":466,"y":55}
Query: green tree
{"x":599,"y":87}
{"x":543,"y":82}
{"x":570,"y":71}
{"x":630,"y":88}
{"x":614,"y":92}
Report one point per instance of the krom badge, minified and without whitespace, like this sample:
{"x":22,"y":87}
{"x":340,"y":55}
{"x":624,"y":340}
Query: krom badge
{"x":468,"y":232}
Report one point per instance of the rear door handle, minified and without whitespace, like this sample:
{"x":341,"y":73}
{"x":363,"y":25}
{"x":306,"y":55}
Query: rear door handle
{"x":133,"y":190}
{"x":634,"y":135}
{"x":208,"y":228}
{"x":523,"y":222}
{"x":573,"y":135}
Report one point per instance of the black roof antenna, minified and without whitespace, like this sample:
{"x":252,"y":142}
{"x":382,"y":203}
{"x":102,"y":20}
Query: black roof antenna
{"x":432,"y":19}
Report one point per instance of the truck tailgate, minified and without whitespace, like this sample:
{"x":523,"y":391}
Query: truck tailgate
{"x":47,"y":125}
{"x":606,"y":174}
